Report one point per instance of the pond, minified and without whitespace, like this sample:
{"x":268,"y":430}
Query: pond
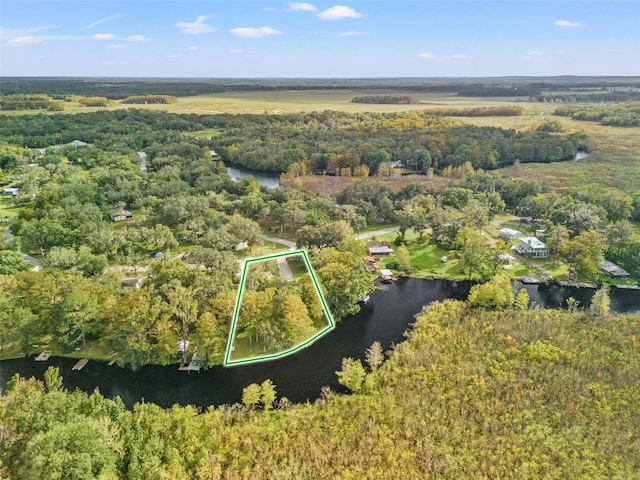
{"x":301,"y":376}
{"x":266,"y":179}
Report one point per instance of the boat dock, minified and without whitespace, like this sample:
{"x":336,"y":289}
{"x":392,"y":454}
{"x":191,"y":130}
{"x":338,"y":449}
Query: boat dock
{"x":44,"y":356}
{"x":194,"y":365}
{"x":80,"y":365}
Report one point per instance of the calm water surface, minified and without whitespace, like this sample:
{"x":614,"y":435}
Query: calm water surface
{"x":266,"y":179}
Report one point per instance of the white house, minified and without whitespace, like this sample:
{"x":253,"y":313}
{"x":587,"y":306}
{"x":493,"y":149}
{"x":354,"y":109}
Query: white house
{"x":13,"y":191}
{"x":77,"y":143}
{"x":509,"y":233}
{"x":532,"y":247}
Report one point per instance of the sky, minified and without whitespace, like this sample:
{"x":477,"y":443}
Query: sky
{"x":348,"y":39}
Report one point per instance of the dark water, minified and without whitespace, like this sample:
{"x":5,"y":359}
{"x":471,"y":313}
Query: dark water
{"x":554,"y":296}
{"x":299,"y":377}
{"x":266,"y":179}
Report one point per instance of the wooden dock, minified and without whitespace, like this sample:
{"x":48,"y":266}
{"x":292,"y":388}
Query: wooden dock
{"x":44,"y":356}
{"x":80,"y":365}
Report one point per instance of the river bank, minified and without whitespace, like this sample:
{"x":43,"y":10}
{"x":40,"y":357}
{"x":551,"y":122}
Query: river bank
{"x":300,"y":377}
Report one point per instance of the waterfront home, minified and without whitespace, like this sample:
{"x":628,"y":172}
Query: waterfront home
{"x":612,"y":270}
{"x":532,"y":247}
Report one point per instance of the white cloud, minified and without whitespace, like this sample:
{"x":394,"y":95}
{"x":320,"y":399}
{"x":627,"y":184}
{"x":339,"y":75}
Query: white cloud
{"x":194,"y":28}
{"x":116,"y":45}
{"x":192,"y":48}
{"x":137,"y":38}
{"x":427,"y":56}
{"x":459,"y":56}
{"x":175,"y":55}
{"x":250,"y":32}
{"x":353,"y":33}
{"x":102,"y":20}
{"x":300,"y":7}
{"x":22,"y":41}
{"x":104,"y":36}
{"x":237,"y":51}
{"x":338,"y":12}
{"x":567,"y":24}
{"x":535,"y":53}
{"x":561,"y":52}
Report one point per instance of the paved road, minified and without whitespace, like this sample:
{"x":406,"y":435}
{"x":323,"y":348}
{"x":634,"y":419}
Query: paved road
{"x":281,"y":241}
{"x":383,"y":231}
{"x":8,"y":237}
{"x":285,"y":269}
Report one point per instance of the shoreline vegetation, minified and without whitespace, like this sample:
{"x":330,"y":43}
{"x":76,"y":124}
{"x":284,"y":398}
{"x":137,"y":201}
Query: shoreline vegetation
{"x":538,"y":387}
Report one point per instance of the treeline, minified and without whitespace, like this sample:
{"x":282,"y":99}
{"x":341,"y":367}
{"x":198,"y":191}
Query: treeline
{"x":386,"y":99}
{"x":505,"y":111}
{"x":91,"y":101}
{"x":615,"y":96}
{"x":620,"y":115}
{"x":509,"y":90}
{"x":30,"y":102}
{"x":149,"y":99}
{"x":470,"y":394}
{"x":121,"y":88}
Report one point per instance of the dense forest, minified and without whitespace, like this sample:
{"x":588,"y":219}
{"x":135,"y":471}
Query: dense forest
{"x":326,"y":141}
{"x":470,"y":394}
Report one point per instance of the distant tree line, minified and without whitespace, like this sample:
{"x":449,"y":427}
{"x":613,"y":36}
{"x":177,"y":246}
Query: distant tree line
{"x":149,"y":99}
{"x":505,"y":111}
{"x":480,"y":90}
{"x":619,"y":115}
{"x":30,"y":102}
{"x":386,"y":99}
{"x":612,"y":96}
{"x":122,"y":88}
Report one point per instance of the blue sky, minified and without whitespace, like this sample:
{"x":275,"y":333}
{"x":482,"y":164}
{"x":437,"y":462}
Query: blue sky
{"x":255,"y":38}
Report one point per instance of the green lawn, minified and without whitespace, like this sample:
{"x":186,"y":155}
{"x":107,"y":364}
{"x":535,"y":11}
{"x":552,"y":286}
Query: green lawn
{"x":208,"y":133}
{"x":7,"y":208}
{"x":425,"y":257}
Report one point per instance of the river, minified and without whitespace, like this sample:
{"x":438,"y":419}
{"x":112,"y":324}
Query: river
{"x":301,"y":376}
{"x":266,"y":179}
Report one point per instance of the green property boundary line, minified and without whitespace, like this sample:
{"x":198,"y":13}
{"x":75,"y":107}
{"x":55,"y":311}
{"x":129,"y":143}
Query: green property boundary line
{"x":236,"y":311}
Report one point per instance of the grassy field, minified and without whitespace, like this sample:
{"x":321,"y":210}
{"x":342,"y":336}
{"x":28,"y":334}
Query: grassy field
{"x":7,"y":208}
